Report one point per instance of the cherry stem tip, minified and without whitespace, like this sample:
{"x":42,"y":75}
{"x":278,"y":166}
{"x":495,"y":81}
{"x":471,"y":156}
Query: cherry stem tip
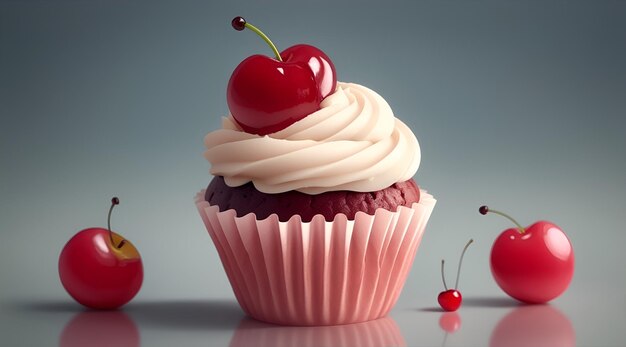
{"x":239,"y":23}
{"x":485,"y":209}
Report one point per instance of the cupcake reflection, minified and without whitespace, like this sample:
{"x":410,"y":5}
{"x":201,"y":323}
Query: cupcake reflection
{"x":533,"y":325}
{"x":100,"y":328}
{"x":379,"y":333}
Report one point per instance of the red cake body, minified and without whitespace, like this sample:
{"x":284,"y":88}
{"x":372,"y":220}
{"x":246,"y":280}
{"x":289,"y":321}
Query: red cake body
{"x":247,"y":199}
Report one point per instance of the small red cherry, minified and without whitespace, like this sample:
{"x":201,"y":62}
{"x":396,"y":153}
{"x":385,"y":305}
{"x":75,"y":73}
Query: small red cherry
{"x":99,"y":268}
{"x":451,"y":299}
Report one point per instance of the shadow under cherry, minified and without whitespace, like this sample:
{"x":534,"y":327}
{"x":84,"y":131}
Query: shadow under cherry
{"x":492,"y":302}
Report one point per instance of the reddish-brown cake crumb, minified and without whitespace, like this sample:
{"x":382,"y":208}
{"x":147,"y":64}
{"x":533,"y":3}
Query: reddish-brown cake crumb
{"x":247,"y":199}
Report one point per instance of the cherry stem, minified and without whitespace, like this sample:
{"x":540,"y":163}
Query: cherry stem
{"x":265,"y":38}
{"x":458,"y":270}
{"x":443,"y":278}
{"x":485,"y":210}
{"x":114,"y":201}
{"x":445,"y":338}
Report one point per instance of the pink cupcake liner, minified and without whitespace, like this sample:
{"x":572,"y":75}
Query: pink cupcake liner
{"x":379,"y":332}
{"x":317,"y":272}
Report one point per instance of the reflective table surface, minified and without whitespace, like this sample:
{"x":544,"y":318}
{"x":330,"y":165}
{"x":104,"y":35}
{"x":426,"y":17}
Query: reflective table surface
{"x":481,"y":321}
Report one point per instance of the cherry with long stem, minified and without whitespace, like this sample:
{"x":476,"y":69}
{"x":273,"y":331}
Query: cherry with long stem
{"x":450,"y":299}
{"x":239,"y":23}
{"x":484,"y":210}
{"x":115,"y":201}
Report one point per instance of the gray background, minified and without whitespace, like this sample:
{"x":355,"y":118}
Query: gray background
{"x":519,"y":105}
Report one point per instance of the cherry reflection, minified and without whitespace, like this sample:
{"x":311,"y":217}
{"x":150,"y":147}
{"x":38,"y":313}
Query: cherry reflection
{"x":100,"y":328}
{"x":380,"y":332}
{"x":449,"y":322}
{"x":533,"y":325}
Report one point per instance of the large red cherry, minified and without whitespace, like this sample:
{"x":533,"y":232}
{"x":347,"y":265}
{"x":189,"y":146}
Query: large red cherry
{"x":99,"y":268}
{"x":533,"y":264}
{"x":266,"y":95}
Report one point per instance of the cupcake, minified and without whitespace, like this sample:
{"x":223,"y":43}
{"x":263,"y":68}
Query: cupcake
{"x":312,"y":208}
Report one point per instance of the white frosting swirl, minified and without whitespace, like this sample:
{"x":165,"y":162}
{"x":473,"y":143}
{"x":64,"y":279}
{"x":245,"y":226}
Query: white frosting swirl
{"x":353,"y":142}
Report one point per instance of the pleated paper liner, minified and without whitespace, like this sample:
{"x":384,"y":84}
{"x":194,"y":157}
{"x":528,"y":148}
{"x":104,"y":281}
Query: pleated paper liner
{"x":317,"y":272}
{"x":375,"y":333}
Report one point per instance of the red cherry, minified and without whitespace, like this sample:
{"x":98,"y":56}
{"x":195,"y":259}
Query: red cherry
{"x":533,"y":264}
{"x":99,"y":268}
{"x":451,"y":299}
{"x":266,"y":95}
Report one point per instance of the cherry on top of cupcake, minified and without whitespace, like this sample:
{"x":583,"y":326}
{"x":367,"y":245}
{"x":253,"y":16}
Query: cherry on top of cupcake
{"x":266,"y":94}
